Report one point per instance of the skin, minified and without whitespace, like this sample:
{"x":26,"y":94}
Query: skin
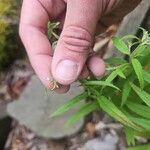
{"x":79,"y":21}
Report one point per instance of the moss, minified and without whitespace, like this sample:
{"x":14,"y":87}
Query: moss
{"x":10,"y":44}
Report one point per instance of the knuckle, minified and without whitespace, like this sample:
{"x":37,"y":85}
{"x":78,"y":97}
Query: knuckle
{"x":76,"y":39}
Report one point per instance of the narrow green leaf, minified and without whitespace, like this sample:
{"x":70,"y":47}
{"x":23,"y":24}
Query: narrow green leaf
{"x":114,"y":74}
{"x":120,"y":73}
{"x":129,"y":132}
{"x":144,"y":124}
{"x":145,"y":34}
{"x":145,"y":97}
{"x":51,"y":26}
{"x":141,"y":147}
{"x":68,"y":105}
{"x":111,"y":77}
{"x":125,"y":92}
{"x":145,"y":61}
{"x":114,"y":112}
{"x":142,"y":29}
{"x":84,"y":110}
{"x":120,"y":45}
{"x":141,"y":122}
{"x":115,"y":61}
{"x":139,"y":109}
{"x":139,"y":71}
{"x":101,"y":83}
{"x":55,"y":35}
{"x":129,"y":37}
{"x":138,"y":51}
{"x":146,"y":76}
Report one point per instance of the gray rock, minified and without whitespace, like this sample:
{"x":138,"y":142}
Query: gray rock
{"x":34,"y":108}
{"x":108,"y":143}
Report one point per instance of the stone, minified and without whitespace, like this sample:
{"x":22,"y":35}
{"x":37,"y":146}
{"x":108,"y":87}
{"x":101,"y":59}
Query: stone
{"x":134,"y":19}
{"x":34,"y":107}
{"x":109,"y":142}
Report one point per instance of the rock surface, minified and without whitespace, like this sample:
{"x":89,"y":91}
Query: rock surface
{"x":108,"y":143}
{"x":34,"y":107}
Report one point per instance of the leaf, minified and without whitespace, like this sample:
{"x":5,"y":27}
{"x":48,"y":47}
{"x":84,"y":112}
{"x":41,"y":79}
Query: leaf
{"x":141,"y":147}
{"x":125,"y":92}
{"x":129,"y":132}
{"x":138,"y":51}
{"x":111,"y":77}
{"x":68,"y":105}
{"x":114,"y":74}
{"x":55,"y":35}
{"x":120,"y":45}
{"x":51,"y":26}
{"x":139,"y":71}
{"x":120,"y":73}
{"x":85,"y":110}
{"x":139,"y":109}
{"x":146,"y":76}
{"x":145,"y":97}
{"x":145,"y":61}
{"x":145,"y":34}
{"x":130,"y":37}
{"x":114,"y":112}
{"x":102,"y":83}
{"x":141,"y":122}
{"x":115,"y":61}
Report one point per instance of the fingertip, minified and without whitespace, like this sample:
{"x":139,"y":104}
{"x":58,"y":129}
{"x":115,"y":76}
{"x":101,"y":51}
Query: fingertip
{"x":65,"y":71}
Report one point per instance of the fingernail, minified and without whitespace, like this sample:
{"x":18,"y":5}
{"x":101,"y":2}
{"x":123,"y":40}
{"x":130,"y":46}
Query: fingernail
{"x":67,"y":70}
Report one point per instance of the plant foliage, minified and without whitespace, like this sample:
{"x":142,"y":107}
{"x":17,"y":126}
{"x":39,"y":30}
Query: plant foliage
{"x":128,"y":99}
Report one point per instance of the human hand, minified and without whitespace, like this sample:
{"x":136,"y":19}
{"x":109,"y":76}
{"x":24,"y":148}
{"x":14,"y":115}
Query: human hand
{"x":72,"y":58}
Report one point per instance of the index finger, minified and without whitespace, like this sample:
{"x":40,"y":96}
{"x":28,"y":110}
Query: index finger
{"x":33,"y":24}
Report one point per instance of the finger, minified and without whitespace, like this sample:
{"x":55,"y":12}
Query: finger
{"x":76,"y":40}
{"x":32,"y":32}
{"x":33,"y":26}
{"x":96,"y":65}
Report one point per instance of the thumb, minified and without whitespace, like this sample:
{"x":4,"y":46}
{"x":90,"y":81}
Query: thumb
{"x":76,"y":39}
